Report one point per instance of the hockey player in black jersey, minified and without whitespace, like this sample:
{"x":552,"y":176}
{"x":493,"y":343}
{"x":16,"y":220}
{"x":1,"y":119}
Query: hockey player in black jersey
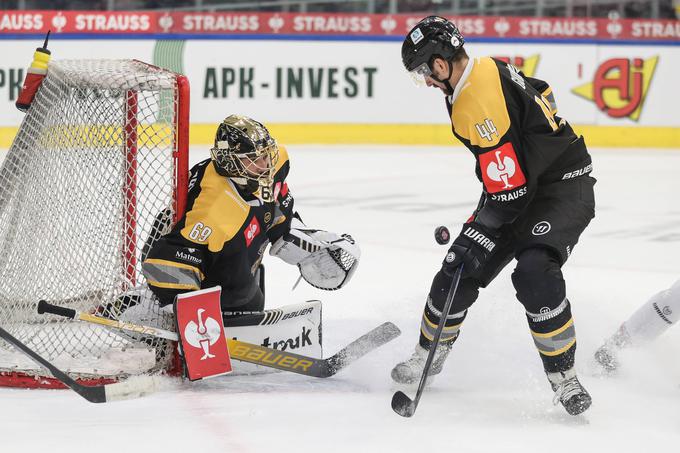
{"x":536,"y":201}
{"x":238,"y":203}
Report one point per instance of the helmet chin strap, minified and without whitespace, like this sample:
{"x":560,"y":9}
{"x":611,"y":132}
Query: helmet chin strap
{"x":445,"y":81}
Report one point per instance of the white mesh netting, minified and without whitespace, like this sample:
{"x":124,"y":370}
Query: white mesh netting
{"x":91,"y":169}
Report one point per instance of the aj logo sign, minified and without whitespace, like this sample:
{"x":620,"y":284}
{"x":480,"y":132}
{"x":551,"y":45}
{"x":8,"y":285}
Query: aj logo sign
{"x":620,"y":86}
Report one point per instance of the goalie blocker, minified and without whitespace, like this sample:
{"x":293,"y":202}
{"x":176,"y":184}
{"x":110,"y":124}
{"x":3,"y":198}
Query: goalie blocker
{"x":201,"y":332}
{"x":325,"y":260}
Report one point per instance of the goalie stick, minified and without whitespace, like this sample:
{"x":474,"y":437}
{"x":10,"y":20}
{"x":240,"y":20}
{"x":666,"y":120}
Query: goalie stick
{"x":132,"y":388}
{"x":402,"y":404}
{"x":259,"y":355}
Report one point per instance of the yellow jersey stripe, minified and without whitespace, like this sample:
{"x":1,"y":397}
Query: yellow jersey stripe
{"x":554,"y":332}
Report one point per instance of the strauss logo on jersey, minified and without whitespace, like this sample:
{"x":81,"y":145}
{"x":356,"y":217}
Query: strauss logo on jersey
{"x":252,"y":230}
{"x":501,"y":170}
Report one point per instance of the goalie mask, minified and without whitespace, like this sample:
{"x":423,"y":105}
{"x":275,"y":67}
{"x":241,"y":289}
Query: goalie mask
{"x":245,"y":152}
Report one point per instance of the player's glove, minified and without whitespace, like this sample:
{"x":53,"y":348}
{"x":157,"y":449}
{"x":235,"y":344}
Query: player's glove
{"x":326,"y":260}
{"x":473,"y":247}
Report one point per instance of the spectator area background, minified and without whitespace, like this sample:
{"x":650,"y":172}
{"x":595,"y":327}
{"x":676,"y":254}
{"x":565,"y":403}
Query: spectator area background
{"x":337,"y":78}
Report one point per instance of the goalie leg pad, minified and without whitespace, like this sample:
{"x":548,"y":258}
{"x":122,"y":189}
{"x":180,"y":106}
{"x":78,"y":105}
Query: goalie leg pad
{"x":295,"y":328}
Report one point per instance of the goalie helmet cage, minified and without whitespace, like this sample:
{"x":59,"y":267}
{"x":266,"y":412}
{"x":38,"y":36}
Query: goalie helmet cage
{"x":97,"y":172}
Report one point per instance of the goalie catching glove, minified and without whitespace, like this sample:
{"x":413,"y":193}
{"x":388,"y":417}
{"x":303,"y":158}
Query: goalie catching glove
{"x":326,"y":260}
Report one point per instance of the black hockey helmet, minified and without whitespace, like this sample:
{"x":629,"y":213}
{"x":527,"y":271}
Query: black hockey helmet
{"x":432,"y":37}
{"x":245,"y":152}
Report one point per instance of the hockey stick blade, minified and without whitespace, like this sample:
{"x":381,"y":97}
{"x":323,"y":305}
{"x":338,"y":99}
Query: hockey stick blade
{"x":133,"y":388}
{"x":369,"y":341}
{"x":251,"y":353}
{"x":402,"y":404}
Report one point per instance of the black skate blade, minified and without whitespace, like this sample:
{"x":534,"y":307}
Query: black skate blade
{"x":402,"y":404}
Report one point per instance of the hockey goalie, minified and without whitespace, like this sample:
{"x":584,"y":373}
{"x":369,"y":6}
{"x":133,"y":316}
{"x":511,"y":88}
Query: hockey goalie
{"x":238,"y":203}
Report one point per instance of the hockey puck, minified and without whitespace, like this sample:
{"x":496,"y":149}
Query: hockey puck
{"x":442,"y":235}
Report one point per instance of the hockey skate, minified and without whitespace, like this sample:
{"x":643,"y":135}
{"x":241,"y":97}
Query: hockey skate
{"x":569,"y":391}
{"x":410,"y":370}
{"x":607,"y":354}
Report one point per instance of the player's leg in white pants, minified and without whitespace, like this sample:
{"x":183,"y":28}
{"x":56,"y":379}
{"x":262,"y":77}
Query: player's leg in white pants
{"x":652,"y":319}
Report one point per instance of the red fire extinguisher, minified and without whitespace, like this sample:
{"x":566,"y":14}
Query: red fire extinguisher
{"x":34,"y":77}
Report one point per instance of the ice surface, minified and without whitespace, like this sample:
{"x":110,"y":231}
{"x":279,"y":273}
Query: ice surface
{"x":491,"y":397}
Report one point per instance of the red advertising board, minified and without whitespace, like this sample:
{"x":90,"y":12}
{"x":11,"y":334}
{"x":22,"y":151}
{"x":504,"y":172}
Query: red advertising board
{"x":301,"y":24}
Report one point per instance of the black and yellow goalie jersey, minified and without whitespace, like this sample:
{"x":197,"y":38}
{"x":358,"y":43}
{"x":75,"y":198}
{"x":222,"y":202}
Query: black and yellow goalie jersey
{"x":510,"y":124}
{"x":221,"y":238}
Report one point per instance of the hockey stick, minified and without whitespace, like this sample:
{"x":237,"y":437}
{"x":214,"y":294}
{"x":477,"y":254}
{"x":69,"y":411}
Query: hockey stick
{"x":402,"y":404}
{"x":259,"y":355}
{"x":133,"y":388}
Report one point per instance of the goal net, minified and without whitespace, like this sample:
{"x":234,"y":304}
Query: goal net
{"x":96,"y":173}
